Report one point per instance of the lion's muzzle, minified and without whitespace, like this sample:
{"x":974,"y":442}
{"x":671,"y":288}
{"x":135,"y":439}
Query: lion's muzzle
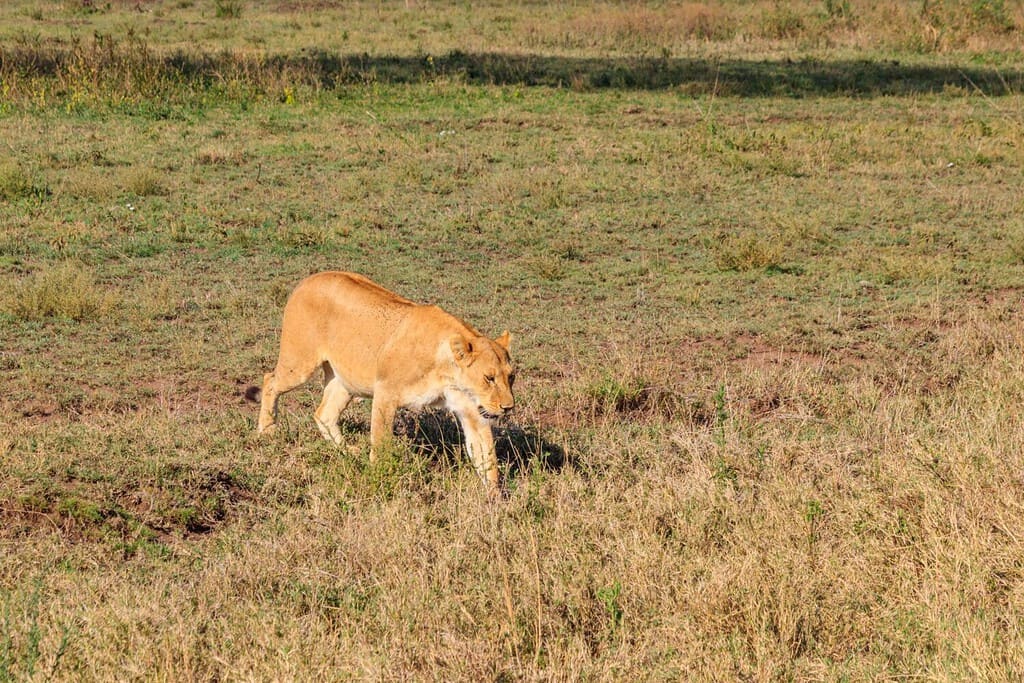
{"x":488,"y":415}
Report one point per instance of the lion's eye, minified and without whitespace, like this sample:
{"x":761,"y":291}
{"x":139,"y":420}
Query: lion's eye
{"x":490,"y":379}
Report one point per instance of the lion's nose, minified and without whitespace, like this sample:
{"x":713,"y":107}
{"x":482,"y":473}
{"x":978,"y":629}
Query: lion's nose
{"x":507,"y":407}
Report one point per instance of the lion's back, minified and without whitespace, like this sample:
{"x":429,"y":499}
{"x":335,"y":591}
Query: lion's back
{"x":355,"y":324}
{"x":341,"y":317}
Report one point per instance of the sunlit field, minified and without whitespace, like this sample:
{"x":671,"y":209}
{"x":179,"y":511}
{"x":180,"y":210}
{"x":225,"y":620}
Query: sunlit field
{"x":762,"y":263}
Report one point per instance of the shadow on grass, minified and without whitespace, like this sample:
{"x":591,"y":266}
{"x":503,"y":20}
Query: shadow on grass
{"x":130,"y":64}
{"x":436,"y":434}
{"x":741,"y":78}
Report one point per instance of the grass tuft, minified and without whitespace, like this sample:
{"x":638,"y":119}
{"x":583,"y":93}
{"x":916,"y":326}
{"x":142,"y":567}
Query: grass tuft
{"x":16,"y":183}
{"x":145,"y":182}
{"x":88,"y":185}
{"x":227,"y":9}
{"x":216,"y":155}
{"x":746,"y":252}
{"x":618,"y":395}
{"x":782,"y":22}
{"x":66,"y":290}
{"x":308,"y":236}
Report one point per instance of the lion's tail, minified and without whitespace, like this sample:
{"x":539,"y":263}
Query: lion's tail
{"x":253,"y":394}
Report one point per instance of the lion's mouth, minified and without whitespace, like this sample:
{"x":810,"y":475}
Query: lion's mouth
{"x":488,"y":415}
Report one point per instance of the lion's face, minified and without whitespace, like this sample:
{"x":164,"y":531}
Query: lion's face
{"x":486,"y":373}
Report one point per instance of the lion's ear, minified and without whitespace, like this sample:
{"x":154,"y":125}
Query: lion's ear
{"x":505,"y":340}
{"x":462,"y":348}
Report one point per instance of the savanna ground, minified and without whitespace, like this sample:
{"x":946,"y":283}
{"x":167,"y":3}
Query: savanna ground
{"x":763,"y":263}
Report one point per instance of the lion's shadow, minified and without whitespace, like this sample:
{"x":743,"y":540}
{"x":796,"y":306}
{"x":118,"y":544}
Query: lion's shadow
{"x":436,"y":434}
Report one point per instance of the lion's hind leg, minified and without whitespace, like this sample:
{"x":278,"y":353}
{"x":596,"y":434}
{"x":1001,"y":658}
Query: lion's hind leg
{"x":283,"y":379}
{"x":336,"y":399}
{"x":268,"y":405}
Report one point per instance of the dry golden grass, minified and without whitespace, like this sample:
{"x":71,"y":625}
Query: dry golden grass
{"x":756,"y":542}
{"x":638,"y":26}
{"x":739,"y":29}
{"x":89,"y":185}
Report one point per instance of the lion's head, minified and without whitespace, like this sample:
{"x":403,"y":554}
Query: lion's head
{"x":486,"y":372}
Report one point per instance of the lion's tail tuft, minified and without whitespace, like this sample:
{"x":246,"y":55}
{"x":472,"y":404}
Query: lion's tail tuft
{"x":253,"y":394}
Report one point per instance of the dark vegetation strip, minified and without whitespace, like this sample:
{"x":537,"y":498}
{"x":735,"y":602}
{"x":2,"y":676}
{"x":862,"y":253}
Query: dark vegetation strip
{"x":131,"y":68}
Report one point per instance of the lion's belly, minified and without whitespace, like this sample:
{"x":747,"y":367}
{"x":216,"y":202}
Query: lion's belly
{"x":419,"y":401}
{"x":359,"y":385}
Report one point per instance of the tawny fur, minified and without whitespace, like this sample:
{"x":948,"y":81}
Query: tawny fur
{"x":373,"y":343}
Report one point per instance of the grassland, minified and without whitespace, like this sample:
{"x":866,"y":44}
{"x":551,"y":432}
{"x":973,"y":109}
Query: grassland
{"x":762,"y":261}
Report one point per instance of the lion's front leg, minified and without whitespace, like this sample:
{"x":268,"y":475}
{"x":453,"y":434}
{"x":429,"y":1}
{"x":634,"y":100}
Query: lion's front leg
{"x":480,"y":444}
{"x":382,"y":422}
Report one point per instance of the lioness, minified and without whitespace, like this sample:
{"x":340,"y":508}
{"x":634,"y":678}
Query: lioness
{"x":372,"y":343}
